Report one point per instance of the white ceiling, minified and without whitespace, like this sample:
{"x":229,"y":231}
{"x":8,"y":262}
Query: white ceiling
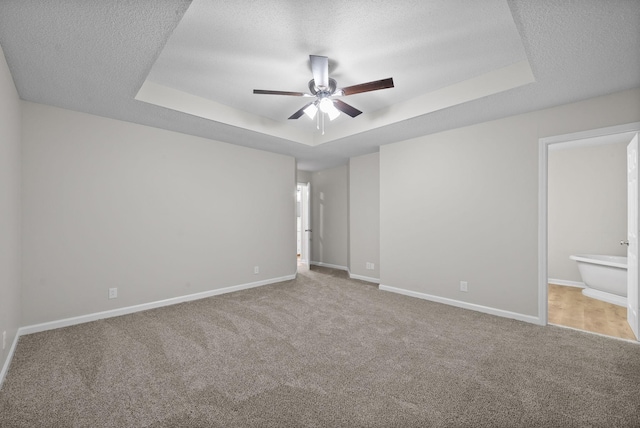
{"x":454,"y":63}
{"x":259,"y":46}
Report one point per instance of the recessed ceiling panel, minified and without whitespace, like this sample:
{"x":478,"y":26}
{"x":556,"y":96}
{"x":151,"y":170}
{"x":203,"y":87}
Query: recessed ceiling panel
{"x":221,"y":51}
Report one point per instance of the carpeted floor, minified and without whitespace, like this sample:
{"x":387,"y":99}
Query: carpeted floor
{"x":319,"y":351}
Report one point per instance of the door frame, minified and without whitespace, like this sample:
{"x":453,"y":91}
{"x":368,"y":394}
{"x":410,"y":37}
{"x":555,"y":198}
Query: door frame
{"x":632,"y":235}
{"x":543,"y":158}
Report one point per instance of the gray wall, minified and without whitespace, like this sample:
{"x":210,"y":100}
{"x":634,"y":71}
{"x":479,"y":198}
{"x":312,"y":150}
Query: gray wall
{"x":303,"y":176}
{"x":154,"y":213}
{"x":587,"y":205}
{"x":463,"y":204}
{"x":364,"y":215}
{"x":9,"y":208}
{"x":330,"y":217}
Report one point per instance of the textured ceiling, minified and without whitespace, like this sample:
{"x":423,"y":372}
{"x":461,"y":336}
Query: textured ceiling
{"x":95,"y":55}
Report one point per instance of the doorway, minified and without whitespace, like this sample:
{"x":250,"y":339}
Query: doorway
{"x":303,"y":225}
{"x":561,"y":301}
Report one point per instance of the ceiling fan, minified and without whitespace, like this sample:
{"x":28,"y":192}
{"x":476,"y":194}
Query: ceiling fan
{"x":323,"y":88}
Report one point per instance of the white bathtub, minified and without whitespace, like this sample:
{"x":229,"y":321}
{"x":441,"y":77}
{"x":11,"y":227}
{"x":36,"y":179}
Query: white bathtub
{"x":604,"y":277}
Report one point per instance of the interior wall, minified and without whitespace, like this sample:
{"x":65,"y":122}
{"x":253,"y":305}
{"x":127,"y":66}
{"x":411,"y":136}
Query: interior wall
{"x":303,"y":176}
{"x":329,"y":217}
{"x":587,"y":205}
{"x":10,"y":128}
{"x":155,"y":213}
{"x":364,"y":215}
{"x":462,"y":205}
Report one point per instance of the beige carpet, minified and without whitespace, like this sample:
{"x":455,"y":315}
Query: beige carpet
{"x":320,"y":351}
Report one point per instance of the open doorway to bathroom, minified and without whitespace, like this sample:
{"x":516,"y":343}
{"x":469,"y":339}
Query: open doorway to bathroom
{"x":586,"y":214}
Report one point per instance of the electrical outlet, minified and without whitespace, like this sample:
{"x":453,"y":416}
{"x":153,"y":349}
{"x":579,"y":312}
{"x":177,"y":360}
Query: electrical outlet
{"x":113,"y":293}
{"x":464,"y":286}
{"x":256,"y":270}
{"x":4,"y":339}
{"x":370,"y":266}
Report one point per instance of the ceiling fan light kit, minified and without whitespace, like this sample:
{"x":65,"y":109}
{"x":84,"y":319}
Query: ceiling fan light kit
{"x":311,"y":110}
{"x":323,"y":88}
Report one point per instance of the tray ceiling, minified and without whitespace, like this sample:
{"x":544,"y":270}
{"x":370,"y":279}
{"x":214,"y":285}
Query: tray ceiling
{"x":221,"y":51}
{"x":454,"y":62}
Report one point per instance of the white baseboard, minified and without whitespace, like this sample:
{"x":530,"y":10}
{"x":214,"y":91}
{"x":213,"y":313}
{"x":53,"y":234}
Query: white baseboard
{"x":465,"y":305}
{"x":345,"y":268}
{"x":36,"y":328}
{"x":605,"y":297}
{"x":329,"y":265}
{"x":7,"y":362}
{"x":364,"y":278}
{"x":565,"y":282}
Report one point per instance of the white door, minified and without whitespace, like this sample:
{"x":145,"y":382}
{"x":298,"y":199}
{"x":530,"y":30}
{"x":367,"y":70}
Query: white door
{"x":632,"y":236}
{"x":305,"y":256}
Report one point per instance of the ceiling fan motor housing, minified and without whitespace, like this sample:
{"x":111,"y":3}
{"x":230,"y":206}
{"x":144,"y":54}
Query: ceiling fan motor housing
{"x":326,"y":92}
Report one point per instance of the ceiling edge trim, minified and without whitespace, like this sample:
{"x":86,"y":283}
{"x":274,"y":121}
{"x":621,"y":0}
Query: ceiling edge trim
{"x":493,"y":82}
{"x":499,"y":80}
{"x":173,"y":99}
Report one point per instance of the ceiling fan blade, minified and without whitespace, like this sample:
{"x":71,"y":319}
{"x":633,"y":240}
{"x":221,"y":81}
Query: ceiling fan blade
{"x":367,"y":87}
{"x":300,"y":112}
{"x":346,"y":108}
{"x":320,"y":71}
{"x":267,"y":92}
